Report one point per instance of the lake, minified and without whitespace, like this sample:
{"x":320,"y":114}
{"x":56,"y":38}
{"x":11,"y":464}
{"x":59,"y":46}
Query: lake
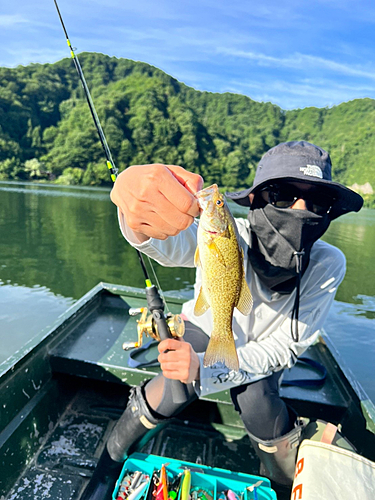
{"x":57,"y":242}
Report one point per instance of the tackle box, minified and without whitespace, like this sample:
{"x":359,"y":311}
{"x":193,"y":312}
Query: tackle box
{"x":211,"y":479}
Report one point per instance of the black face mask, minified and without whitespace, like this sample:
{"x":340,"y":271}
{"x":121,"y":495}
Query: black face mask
{"x":280,"y":244}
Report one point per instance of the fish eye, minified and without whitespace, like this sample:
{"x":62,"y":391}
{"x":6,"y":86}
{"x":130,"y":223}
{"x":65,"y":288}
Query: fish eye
{"x":219,"y":203}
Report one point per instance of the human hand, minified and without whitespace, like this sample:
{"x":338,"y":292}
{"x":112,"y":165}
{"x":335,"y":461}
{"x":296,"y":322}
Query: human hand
{"x":157,"y":200}
{"x":178,"y":360}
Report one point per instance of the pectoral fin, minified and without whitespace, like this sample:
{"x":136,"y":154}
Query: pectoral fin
{"x":197,"y":261}
{"x":226,"y":233}
{"x":214,"y":249}
{"x":245,"y":302}
{"x":201,"y":304}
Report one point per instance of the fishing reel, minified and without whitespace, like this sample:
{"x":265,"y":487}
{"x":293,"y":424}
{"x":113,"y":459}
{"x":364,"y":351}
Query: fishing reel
{"x":147,"y":325}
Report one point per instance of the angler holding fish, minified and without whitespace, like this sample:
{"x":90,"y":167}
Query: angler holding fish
{"x":276,"y":258}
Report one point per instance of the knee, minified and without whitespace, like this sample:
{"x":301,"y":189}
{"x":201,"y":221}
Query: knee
{"x":258,"y":397}
{"x":262,"y":411}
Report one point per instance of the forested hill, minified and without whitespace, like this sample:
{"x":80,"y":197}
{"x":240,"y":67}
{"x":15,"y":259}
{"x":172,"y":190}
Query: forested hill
{"x":46,"y":130}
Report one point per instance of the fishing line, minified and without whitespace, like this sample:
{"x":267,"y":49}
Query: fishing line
{"x":110,"y":163}
{"x":109,"y":160}
{"x":155,"y":301}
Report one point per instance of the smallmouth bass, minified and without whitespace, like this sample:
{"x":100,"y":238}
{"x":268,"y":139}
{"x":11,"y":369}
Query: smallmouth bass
{"x":224,"y":287}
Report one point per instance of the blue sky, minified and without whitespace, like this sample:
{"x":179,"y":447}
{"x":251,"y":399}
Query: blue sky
{"x":293,"y":53}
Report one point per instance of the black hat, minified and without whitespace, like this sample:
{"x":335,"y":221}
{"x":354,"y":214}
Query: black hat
{"x":303,"y":162}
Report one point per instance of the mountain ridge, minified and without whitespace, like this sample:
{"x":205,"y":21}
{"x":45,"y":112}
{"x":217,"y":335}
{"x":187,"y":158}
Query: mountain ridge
{"x":46,"y":130}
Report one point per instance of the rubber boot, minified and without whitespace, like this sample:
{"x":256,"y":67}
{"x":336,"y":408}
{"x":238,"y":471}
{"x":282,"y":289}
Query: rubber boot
{"x":278,"y":456}
{"x":103,"y":480}
{"x":133,"y":424}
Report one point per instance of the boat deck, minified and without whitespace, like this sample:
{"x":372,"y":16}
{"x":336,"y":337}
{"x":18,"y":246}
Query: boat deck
{"x":93,"y":349}
{"x":64,"y":396}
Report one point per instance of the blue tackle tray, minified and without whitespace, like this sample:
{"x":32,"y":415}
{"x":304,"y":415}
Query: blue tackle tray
{"x":210,"y":478}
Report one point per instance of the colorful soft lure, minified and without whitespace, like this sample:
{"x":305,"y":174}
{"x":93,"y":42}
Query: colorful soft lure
{"x":161,"y":492}
{"x":185,"y":486}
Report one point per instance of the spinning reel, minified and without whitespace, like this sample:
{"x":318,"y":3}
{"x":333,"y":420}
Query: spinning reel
{"x":147,"y":325}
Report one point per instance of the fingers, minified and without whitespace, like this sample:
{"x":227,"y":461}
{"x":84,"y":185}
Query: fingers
{"x":157,"y":200}
{"x":178,"y":360}
{"x":172,"y":345}
{"x":143,"y":218}
{"x":191,"y":182}
{"x":172,"y":192}
{"x":177,"y":372}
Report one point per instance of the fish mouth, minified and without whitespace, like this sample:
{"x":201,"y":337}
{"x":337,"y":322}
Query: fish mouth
{"x":204,"y":196}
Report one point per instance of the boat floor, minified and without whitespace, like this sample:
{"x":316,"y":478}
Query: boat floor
{"x":61,"y":423}
{"x":69,"y":454}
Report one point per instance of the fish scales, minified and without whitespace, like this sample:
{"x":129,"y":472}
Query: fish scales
{"x":224,"y":287}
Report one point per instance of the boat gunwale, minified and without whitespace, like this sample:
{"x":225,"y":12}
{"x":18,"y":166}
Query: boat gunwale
{"x":8,"y":366}
{"x":367,"y":405}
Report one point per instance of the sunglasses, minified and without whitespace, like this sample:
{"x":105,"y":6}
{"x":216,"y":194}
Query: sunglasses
{"x":319,"y":202}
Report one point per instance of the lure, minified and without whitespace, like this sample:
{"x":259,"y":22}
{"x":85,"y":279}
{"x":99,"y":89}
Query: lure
{"x":174,"y":487}
{"x":231,"y":495}
{"x":162,"y":486}
{"x":198,"y":493}
{"x":253,"y":488}
{"x":133,"y":486}
{"x":185,"y":487}
{"x":139,"y":491}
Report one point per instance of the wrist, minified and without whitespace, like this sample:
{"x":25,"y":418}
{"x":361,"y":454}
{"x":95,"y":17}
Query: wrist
{"x":139,"y":237}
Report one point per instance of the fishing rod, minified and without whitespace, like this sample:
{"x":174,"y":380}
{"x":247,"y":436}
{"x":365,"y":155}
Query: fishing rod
{"x":154,"y":301}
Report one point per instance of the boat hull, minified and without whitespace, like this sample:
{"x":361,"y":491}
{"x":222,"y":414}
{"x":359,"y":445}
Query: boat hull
{"x":63,"y":393}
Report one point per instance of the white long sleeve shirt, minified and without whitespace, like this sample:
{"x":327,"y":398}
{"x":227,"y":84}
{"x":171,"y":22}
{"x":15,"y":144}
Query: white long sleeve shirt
{"x":263,"y":338}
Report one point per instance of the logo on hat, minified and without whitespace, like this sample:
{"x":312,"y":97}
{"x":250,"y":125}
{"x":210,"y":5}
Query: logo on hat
{"x":312,"y":170}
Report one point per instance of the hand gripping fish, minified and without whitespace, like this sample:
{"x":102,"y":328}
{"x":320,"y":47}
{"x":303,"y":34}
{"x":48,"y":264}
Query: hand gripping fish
{"x":224,"y":287}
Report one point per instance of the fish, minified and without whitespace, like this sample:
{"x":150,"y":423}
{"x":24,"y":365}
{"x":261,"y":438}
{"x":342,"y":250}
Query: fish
{"x":224,"y":287}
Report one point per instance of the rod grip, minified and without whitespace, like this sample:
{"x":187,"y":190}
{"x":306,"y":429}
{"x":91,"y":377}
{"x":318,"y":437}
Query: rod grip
{"x":180,"y":392}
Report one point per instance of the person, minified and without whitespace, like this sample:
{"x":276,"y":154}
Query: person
{"x":292,"y":275}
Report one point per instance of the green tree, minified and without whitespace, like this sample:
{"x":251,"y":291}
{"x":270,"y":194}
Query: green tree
{"x":148,"y":116}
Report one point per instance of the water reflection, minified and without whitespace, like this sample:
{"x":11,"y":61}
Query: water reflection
{"x":24,"y":312}
{"x":57,"y":242}
{"x":354,"y":234}
{"x":351,"y":328}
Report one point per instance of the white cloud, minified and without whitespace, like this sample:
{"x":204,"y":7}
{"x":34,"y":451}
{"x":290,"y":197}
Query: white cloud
{"x":245,"y":47}
{"x":300,"y":61}
{"x":10,"y":20}
{"x":287,"y":95}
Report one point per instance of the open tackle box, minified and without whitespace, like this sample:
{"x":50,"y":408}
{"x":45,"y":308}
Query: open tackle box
{"x":216,"y":482}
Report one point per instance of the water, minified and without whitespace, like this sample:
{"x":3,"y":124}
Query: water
{"x":56,"y":243}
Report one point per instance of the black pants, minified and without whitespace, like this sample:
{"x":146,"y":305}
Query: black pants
{"x":263,"y":412}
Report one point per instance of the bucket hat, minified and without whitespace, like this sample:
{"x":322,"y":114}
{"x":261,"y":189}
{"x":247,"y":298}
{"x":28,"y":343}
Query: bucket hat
{"x":300,"y":161}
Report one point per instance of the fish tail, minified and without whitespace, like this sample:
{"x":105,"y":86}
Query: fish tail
{"x":221,"y":350}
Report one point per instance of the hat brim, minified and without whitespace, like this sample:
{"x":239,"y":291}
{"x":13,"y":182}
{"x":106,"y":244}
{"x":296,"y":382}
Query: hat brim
{"x":346,"y":200}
